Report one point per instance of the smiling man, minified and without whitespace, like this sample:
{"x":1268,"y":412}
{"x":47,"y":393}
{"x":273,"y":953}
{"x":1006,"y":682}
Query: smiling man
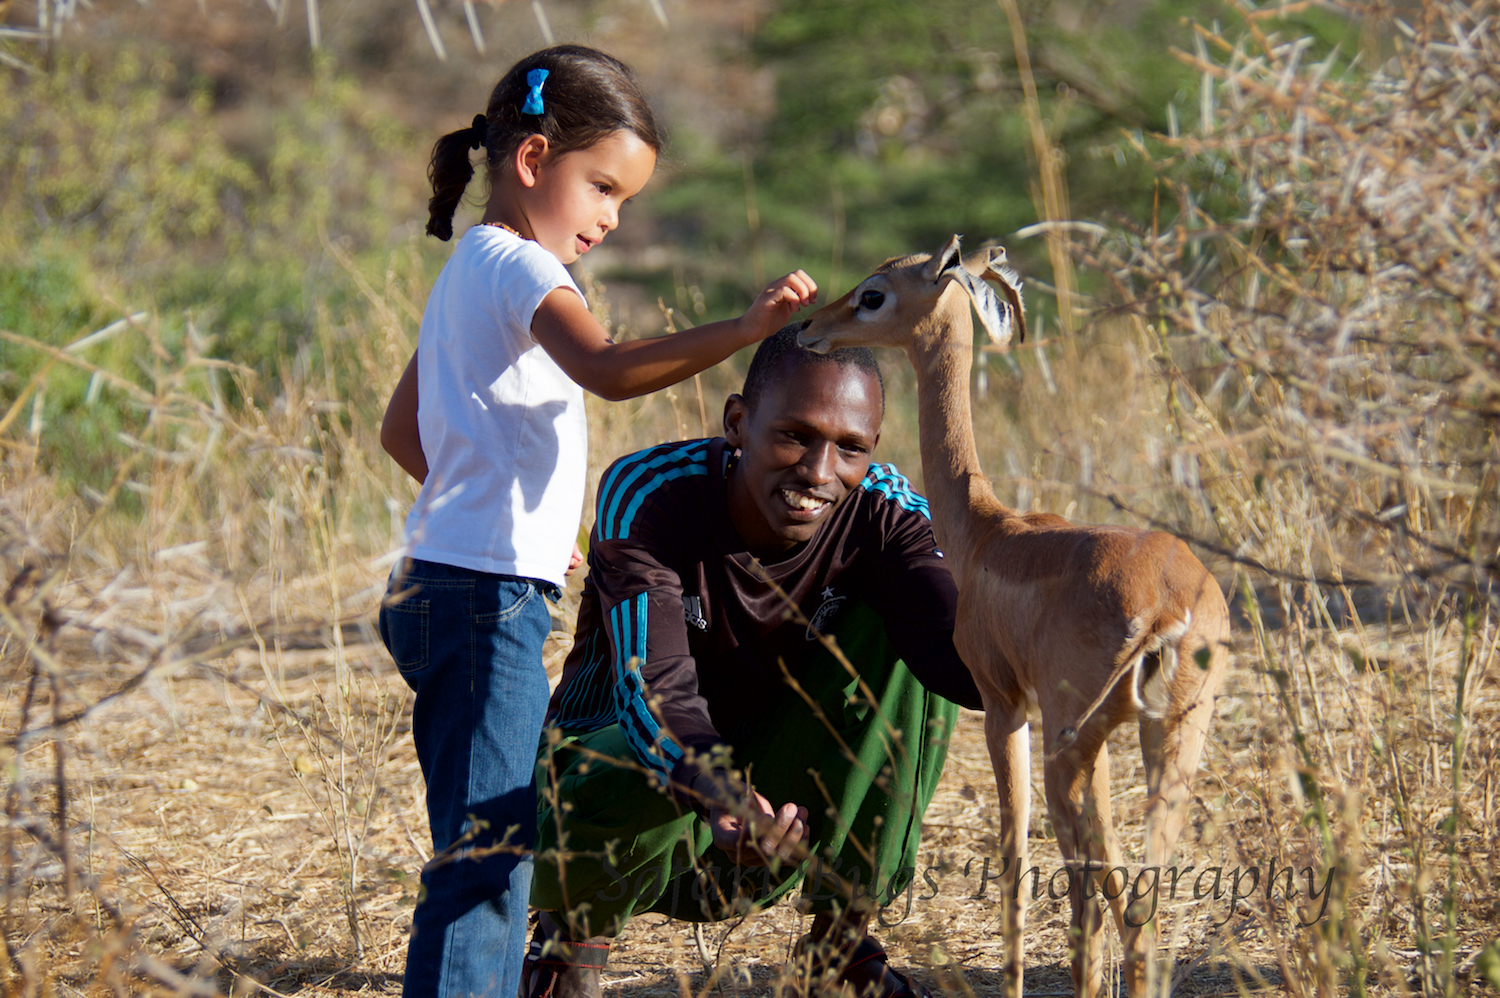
{"x":707,"y":749}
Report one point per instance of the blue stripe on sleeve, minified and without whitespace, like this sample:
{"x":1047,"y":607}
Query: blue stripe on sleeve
{"x":887,"y":481}
{"x":587,"y":703}
{"x":625,"y":473}
{"x":644,"y":735}
{"x":688,"y":471}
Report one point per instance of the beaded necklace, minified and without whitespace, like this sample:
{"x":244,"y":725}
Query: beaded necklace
{"x":507,"y":228}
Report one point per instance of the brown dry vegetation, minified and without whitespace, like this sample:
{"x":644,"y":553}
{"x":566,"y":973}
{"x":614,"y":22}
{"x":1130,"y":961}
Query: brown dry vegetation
{"x":210,"y":786}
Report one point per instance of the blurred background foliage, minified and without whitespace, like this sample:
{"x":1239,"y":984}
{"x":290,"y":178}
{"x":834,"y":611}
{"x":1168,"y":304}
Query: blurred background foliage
{"x":201,"y":162}
{"x":122,"y":192}
{"x":906,"y":119}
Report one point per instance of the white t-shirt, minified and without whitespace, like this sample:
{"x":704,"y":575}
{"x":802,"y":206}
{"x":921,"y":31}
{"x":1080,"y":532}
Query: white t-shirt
{"x":503,"y":428}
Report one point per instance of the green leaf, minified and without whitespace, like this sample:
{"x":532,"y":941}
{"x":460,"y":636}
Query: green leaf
{"x":1488,"y":963}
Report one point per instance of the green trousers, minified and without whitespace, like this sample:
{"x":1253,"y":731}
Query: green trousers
{"x":863,"y":757}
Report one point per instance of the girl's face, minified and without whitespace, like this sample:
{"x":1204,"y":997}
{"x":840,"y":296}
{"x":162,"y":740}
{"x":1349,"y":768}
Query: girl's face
{"x":573,"y":199}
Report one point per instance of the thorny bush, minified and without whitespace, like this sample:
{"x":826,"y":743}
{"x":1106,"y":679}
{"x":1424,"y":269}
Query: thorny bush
{"x":1328,"y":299}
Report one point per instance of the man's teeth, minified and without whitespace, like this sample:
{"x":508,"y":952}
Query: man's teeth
{"x":799,"y":501}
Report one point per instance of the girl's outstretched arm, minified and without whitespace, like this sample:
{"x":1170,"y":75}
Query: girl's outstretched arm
{"x":399,"y":434}
{"x":572,"y":336}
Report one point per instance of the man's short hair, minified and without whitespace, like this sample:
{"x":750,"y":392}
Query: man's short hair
{"x":781,"y":348}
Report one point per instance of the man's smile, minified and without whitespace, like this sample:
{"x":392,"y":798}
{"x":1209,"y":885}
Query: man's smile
{"x":805,"y":501}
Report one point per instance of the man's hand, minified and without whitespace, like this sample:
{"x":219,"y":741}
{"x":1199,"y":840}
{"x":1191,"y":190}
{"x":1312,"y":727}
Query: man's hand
{"x":751,"y":834}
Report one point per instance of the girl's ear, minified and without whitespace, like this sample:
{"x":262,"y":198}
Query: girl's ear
{"x":529,"y":157}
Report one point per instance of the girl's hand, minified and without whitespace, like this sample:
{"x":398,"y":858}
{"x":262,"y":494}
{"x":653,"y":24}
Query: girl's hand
{"x":574,"y":560}
{"x":775,"y":305}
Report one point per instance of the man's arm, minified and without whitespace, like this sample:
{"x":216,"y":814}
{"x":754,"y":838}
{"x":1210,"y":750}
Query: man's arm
{"x":654,"y":679}
{"x":664,"y":718}
{"x":918,"y":599}
{"x":636,"y":557}
{"x":637,"y":562}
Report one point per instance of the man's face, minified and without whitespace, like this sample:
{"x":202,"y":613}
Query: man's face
{"x":803,"y":449}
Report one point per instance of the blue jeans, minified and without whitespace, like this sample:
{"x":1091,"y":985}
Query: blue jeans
{"x":470,"y":645}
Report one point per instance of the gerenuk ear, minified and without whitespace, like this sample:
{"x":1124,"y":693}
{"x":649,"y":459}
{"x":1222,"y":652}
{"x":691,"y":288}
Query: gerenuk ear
{"x":943,"y":262}
{"x":994,"y":313}
{"x":999,"y":313}
{"x":1009,"y":282}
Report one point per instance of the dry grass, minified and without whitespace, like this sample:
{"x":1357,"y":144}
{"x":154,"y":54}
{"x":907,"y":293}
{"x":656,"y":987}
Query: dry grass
{"x":205,"y":838}
{"x":209,"y":783}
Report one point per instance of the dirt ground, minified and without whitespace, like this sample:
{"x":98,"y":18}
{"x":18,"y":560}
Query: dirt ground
{"x":262,"y":807}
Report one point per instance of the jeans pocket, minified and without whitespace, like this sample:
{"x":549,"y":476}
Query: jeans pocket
{"x":511,"y":597}
{"x":405,"y":628}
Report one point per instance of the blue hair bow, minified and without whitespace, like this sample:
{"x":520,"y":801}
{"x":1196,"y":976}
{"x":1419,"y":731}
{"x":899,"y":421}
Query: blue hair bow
{"x":533,"y":103}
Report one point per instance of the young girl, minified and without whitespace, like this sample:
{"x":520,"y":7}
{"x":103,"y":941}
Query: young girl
{"x":507,"y":348}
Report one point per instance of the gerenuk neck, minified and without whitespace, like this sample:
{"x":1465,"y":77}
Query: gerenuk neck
{"x":962,"y":499}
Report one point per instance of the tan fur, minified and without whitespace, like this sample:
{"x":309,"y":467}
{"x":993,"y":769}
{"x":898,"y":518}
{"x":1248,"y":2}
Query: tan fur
{"x":1101,"y":625}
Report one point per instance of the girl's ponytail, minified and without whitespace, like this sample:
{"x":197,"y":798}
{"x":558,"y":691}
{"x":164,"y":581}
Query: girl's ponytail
{"x":450,"y":172}
{"x":586,"y":96}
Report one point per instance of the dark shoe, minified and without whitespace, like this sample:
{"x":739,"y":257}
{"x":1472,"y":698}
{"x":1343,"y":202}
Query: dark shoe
{"x":562,"y":968}
{"x":865,"y":969}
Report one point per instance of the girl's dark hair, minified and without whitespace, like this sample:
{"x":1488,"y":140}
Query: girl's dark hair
{"x":587,"y":96}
